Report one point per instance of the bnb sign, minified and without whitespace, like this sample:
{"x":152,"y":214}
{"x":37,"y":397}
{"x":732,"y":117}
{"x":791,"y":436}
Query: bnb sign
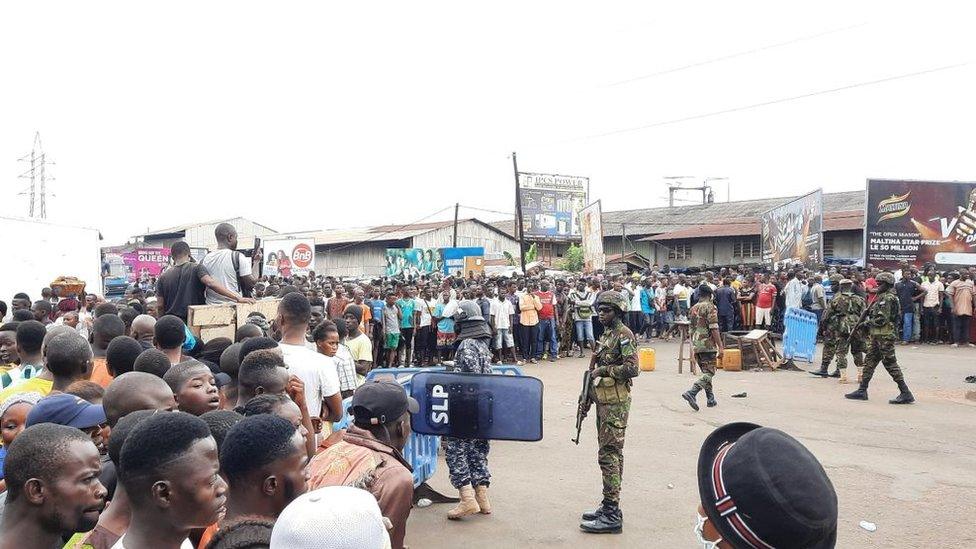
{"x":301,"y":256}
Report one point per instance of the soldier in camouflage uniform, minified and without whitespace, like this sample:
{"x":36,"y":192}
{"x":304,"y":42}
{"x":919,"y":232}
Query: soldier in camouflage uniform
{"x":614,"y":365}
{"x":881,"y":320}
{"x":707,"y":344}
{"x":841,"y":316}
{"x":467,"y":460}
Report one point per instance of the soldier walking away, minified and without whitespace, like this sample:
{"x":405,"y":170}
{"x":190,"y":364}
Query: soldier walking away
{"x":614,"y":365}
{"x":882,"y":317}
{"x":840,"y":320}
{"x":707,"y":343}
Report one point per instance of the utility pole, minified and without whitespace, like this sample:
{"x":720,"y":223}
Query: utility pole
{"x":37,"y":174}
{"x":456,"y":206}
{"x":518,"y":214}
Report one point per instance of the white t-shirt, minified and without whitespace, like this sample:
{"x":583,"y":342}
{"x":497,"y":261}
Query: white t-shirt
{"x":450,"y":309}
{"x":932,"y":290}
{"x":187,"y":544}
{"x":635,"y":301}
{"x":502,"y":311}
{"x":425,"y":308}
{"x":220,"y":265}
{"x":317,"y":372}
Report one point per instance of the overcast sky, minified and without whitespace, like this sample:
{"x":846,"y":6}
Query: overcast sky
{"x":307,"y":115}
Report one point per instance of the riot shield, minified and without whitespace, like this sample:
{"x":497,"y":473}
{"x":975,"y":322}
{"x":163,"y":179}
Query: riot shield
{"x":478,"y":406}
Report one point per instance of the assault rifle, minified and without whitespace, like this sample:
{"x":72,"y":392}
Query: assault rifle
{"x":585,"y":397}
{"x":585,"y":401}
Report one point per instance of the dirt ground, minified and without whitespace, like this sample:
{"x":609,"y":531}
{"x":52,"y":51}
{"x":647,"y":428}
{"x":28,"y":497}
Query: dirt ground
{"x":911,"y":470}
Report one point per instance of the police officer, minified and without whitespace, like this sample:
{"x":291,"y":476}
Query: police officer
{"x":881,"y":320}
{"x":840,"y":318}
{"x":707,"y":344}
{"x":614,"y":366}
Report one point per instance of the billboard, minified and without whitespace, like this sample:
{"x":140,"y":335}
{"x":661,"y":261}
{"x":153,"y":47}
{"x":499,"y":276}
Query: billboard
{"x":792,"y":233}
{"x":287,"y":258}
{"x":142,"y":263}
{"x":920,"y":222}
{"x":591,"y":230}
{"x":551,"y":204}
{"x":414,"y":262}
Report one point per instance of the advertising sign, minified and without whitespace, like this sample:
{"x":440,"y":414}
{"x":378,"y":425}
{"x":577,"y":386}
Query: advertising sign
{"x":920,"y":222}
{"x":143,"y":263}
{"x":551,"y":204}
{"x":414,"y":262}
{"x":288,"y":258}
{"x":456,"y":260}
{"x":591,"y":229}
{"x":792,"y":233}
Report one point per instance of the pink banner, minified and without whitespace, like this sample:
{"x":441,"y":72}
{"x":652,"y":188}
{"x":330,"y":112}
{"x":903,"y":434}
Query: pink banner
{"x":145,"y":262}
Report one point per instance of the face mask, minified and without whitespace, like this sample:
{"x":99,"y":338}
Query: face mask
{"x":700,"y":534}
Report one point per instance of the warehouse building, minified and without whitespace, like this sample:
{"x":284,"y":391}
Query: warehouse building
{"x":201,"y":235}
{"x":719,"y":233}
{"x":362,"y":252}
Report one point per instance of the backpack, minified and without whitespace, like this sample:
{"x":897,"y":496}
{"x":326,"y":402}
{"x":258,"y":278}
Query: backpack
{"x":807,"y":300}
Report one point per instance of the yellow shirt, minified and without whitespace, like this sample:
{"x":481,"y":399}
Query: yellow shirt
{"x":35,"y":384}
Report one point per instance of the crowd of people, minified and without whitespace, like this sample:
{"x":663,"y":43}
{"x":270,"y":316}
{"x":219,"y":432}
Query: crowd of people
{"x":122,"y":429}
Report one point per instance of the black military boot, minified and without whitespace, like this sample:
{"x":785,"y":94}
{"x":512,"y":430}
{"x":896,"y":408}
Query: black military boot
{"x":835,"y":373}
{"x":710,"y":399}
{"x":596,"y":513}
{"x":860,"y":394}
{"x":822,"y":372}
{"x":905,"y":397}
{"x":690,"y":395}
{"x":610,"y":522}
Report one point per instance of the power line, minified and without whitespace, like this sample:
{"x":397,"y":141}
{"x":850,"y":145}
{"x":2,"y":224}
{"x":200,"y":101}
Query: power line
{"x":734,"y":55}
{"x":774,"y":101}
{"x":486,"y":210}
{"x":384,"y":233}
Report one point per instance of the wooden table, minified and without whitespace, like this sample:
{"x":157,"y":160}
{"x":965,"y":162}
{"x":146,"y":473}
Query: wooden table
{"x":685,"y":342}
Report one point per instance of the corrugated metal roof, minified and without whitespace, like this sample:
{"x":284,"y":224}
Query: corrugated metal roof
{"x":187,"y":226}
{"x":653,"y":221}
{"x":384,"y":233}
{"x":834,"y":221}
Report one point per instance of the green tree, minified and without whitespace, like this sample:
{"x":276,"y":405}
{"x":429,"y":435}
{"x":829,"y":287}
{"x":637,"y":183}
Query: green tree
{"x":572,"y":260}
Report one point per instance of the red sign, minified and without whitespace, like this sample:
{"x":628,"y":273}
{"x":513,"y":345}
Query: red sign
{"x":302,"y":256}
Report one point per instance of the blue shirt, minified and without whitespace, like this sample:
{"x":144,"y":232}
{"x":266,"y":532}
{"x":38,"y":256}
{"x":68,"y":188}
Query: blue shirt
{"x":446,"y":324}
{"x":376,"y":307}
{"x":725,"y":300}
{"x":646,"y":297}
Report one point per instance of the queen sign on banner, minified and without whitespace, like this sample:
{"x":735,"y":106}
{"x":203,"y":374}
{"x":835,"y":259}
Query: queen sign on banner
{"x":289,"y":257}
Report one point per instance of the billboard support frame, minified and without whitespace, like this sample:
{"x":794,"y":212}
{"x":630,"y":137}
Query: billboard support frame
{"x":518,"y":214}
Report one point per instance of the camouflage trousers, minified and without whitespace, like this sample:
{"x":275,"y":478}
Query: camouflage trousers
{"x":881,"y":349}
{"x":611,"y":426}
{"x":706,"y":363}
{"x":467,"y":462}
{"x":838,"y":346}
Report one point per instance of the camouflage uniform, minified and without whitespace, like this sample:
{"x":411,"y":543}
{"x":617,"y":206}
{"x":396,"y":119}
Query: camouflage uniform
{"x":703,"y":318}
{"x":616,"y":365}
{"x":839,"y":319}
{"x":882,"y":317}
{"x":881,"y":321}
{"x":467,"y":460}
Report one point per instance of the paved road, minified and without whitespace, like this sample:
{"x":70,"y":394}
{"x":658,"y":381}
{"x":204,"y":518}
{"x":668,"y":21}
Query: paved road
{"x":909,"y":469}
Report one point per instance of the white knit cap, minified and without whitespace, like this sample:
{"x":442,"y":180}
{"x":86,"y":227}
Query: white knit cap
{"x":338,"y":517}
